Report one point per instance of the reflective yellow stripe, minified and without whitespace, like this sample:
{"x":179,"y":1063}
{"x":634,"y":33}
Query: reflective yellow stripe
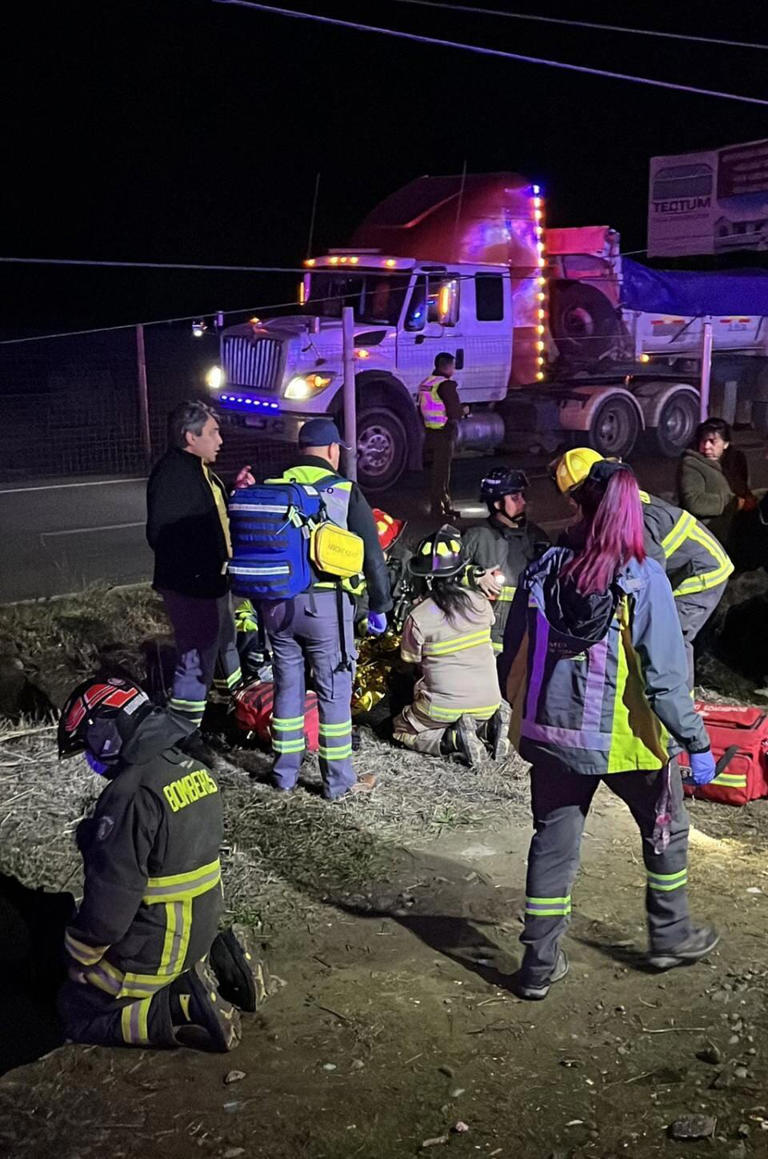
{"x":170,"y":937}
{"x":438,"y":712}
{"x":507,"y":593}
{"x":710,"y":579}
{"x":336,"y":729}
{"x":179,"y":886}
{"x":679,"y":533}
{"x":458,"y":643}
{"x":497,"y":646}
{"x":82,"y":952}
{"x":287,"y":723}
{"x":335,"y":752}
{"x":104,"y":976}
{"x":134,"y":1020}
{"x":289,"y":746}
{"x":731,"y":780}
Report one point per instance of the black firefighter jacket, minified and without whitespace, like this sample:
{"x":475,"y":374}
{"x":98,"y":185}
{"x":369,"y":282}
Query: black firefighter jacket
{"x":152,"y":895}
{"x":496,"y":546}
{"x":184,"y":527}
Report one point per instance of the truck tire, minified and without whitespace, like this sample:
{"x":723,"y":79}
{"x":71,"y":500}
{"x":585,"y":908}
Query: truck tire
{"x":678,"y":420}
{"x":583,"y":323}
{"x":760,"y":418}
{"x":382,"y":449}
{"x":615,"y":427}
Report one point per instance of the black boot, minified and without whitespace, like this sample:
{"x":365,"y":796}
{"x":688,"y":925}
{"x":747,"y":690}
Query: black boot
{"x":496,"y":732}
{"x":195,"y":1002}
{"x":194,"y":746}
{"x":242,"y":978}
{"x":461,"y":738}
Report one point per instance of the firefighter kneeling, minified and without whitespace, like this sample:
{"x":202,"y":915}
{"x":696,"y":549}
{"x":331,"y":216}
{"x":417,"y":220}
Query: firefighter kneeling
{"x":457,"y":706}
{"x":147,"y":966}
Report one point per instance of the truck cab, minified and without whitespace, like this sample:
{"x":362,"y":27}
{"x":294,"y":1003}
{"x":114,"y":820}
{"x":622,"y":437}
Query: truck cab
{"x":280,"y":372}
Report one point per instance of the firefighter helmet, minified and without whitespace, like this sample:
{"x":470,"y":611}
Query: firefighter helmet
{"x":388,"y":528}
{"x":440,"y":555}
{"x":99,"y":717}
{"x":572,"y":468}
{"x":501,"y":482}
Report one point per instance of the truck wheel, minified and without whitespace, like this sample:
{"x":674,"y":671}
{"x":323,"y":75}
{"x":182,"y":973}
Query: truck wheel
{"x":382,"y":449}
{"x":615,"y":427}
{"x":677,"y":421}
{"x":760,"y":418}
{"x":584,"y":324}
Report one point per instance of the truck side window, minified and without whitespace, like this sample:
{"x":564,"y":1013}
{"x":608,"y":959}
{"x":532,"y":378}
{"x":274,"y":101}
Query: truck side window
{"x":443,"y":301}
{"x":416,"y":314}
{"x":489,"y":297}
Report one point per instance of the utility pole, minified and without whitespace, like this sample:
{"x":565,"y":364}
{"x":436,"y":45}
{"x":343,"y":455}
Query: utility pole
{"x":706,"y":367}
{"x":350,"y":404}
{"x":141,"y":363}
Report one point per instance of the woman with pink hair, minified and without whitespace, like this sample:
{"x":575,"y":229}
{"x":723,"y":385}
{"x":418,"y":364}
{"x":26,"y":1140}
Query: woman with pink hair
{"x":599,"y":691}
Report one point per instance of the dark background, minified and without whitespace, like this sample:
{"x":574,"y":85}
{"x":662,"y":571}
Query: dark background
{"x":182,"y":130}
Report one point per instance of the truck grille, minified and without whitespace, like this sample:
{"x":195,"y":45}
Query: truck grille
{"x":255,"y":364}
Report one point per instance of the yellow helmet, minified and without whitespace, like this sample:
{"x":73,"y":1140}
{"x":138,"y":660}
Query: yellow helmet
{"x":572,"y":468}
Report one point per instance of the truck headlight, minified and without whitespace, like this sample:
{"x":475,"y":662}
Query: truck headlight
{"x":306,"y":386}
{"x":215,"y":378}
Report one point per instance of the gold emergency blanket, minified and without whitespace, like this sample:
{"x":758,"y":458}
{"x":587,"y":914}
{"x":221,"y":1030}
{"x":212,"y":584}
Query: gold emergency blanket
{"x":377,"y":656}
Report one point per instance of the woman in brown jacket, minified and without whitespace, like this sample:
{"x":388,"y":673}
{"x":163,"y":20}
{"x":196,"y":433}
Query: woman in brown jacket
{"x":713,"y":484}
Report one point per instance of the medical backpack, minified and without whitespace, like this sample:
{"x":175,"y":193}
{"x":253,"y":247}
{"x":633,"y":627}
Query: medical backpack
{"x":253,"y":713}
{"x":739,"y":738}
{"x":278,"y":530}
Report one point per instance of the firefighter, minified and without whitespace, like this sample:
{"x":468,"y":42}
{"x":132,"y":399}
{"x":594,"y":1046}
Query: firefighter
{"x":594,"y":667}
{"x":396,"y":554}
{"x":695,"y":561}
{"x":317,"y":626}
{"x":506,"y":543}
{"x":441,"y":411}
{"x":138,"y":945}
{"x":457,"y":706}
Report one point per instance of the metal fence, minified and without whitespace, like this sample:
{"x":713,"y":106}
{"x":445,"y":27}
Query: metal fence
{"x":71,"y":405}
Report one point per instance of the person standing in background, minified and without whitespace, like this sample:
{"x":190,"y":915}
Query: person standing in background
{"x":441,"y":412}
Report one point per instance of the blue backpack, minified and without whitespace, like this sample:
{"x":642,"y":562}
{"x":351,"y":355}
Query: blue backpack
{"x":270,"y":524}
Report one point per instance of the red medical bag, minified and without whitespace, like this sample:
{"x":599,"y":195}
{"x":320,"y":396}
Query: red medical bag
{"x":739,"y":739}
{"x":253,"y":713}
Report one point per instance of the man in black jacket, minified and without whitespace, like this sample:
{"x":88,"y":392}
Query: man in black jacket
{"x":505,"y":544}
{"x":188,"y":530}
{"x":139,"y":944}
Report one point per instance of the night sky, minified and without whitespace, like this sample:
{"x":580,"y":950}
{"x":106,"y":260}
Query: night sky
{"x":183,"y":130}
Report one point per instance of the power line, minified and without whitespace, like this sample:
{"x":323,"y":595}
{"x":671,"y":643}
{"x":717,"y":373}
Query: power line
{"x":584,"y":24}
{"x":482,"y":51}
{"x":153,"y":265}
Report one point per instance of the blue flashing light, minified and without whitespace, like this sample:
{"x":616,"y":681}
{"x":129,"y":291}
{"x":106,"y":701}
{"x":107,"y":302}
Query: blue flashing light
{"x":536,"y":190}
{"x":244,"y":400}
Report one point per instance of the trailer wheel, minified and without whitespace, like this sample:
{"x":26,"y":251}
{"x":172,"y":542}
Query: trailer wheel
{"x":760,"y":418}
{"x":677,"y":421}
{"x":382,"y":449}
{"x":615,"y":427}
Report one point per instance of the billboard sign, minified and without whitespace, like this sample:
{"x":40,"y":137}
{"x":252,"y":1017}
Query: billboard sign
{"x":710,"y":202}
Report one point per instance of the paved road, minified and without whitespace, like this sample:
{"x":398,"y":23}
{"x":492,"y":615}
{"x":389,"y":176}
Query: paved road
{"x":60,"y":536}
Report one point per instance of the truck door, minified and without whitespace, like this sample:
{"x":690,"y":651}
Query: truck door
{"x":427,"y":327}
{"x":484,"y":332}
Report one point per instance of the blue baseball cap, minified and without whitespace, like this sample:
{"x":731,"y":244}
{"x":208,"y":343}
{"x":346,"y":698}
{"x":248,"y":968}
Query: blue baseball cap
{"x":320,"y":433}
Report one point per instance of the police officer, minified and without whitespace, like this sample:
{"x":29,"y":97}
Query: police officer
{"x":696,"y":563}
{"x":317,"y":627}
{"x":506,"y":543}
{"x":138,"y":945}
{"x":441,"y":411}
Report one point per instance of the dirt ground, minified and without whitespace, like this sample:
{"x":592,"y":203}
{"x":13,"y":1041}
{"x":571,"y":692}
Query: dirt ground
{"x":395,"y":1028}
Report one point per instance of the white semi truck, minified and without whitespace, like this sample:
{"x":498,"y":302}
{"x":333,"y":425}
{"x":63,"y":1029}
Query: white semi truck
{"x":547,"y":347}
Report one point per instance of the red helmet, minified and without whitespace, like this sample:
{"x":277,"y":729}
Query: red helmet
{"x":99,"y":717}
{"x":389,"y":529}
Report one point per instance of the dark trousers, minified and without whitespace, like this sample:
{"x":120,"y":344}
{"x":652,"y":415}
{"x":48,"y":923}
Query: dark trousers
{"x":693,"y":612}
{"x":206,"y":651}
{"x":438,"y":450}
{"x":90,"y":1015}
{"x":305,"y":629}
{"x":560,"y":800}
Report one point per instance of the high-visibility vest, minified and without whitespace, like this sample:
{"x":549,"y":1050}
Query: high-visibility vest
{"x":432,"y":407}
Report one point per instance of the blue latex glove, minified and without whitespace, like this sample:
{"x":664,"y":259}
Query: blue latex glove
{"x":702,"y":767}
{"x":377,"y":623}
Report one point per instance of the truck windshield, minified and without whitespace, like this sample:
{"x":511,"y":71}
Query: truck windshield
{"x":376,"y":298}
